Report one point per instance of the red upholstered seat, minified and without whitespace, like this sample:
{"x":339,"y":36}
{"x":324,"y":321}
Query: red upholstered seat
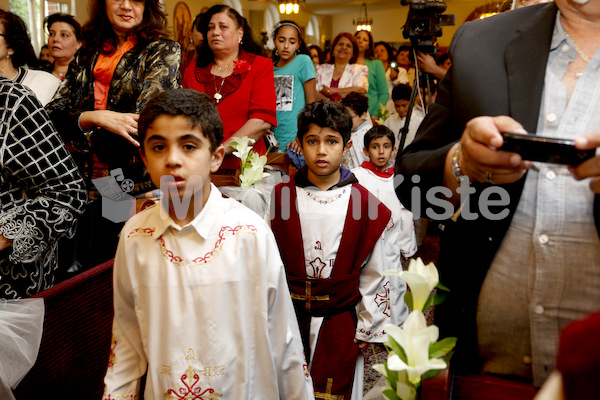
{"x":76,"y":340}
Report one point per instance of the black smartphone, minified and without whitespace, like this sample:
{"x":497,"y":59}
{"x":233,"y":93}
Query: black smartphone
{"x":545,"y":149}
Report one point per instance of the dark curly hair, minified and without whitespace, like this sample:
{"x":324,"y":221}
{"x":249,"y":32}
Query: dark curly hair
{"x":191,"y":104}
{"x":205,"y":53}
{"x":98,"y":31}
{"x":359,"y":103}
{"x":352,"y":40}
{"x":67,"y":19}
{"x":325,"y":114}
{"x":17,"y":39}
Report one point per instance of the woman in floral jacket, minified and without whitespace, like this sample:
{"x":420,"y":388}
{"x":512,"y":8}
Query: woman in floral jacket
{"x":231,"y":70}
{"x":126,"y":60}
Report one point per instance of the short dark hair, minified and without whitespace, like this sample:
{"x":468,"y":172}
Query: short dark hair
{"x":17,"y":39}
{"x":359,"y":103}
{"x":205,"y":53}
{"x":352,"y":40}
{"x":325,"y":114}
{"x":401,"y":92}
{"x":442,"y":58}
{"x":379,"y":131}
{"x":67,"y":19}
{"x":195,"y":106}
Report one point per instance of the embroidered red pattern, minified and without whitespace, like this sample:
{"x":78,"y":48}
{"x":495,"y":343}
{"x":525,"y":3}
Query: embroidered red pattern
{"x":224,"y":233}
{"x":120,"y":397}
{"x":190,"y":391}
{"x":112,"y":358}
{"x":141,"y":232}
{"x":384,"y":299}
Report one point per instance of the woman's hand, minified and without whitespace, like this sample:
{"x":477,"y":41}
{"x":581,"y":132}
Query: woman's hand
{"x":326,"y":91}
{"x":122,"y":124}
{"x":5,"y":243}
{"x":361,"y":344}
{"x":589,"y":168}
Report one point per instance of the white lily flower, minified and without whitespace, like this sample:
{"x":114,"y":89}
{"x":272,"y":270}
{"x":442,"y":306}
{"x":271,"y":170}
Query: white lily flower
{"x":421,"y":279}
{"x":242,"y":146}
{"x":414,"y":338}
{"x":254,"y":172}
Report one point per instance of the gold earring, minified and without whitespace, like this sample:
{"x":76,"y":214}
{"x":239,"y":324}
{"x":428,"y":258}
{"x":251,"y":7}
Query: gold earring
{"x":240,"y":41}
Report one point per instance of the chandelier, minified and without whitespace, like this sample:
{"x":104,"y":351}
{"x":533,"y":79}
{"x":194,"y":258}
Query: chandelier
{"x":289,"y":6}
{"x":363,"y":24}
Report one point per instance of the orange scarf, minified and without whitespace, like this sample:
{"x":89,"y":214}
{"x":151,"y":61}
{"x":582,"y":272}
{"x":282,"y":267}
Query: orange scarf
{"x":104,"y":71}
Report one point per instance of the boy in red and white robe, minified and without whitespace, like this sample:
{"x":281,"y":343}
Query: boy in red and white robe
{"x":329,"y":230}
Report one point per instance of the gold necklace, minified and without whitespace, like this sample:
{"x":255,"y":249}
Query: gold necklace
{"x":218,"y":96}
{"x":223,"y":69}
{"x":583,"y":56}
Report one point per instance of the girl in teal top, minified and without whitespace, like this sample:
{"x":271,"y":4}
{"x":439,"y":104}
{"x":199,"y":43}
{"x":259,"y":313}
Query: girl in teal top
{"x":295,"y":84}
{"x":378,"y":88}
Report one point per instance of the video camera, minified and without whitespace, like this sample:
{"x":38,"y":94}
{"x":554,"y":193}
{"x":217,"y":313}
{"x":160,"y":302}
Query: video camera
{"x":424,"y":23}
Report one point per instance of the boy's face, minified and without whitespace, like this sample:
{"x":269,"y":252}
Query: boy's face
{"x":379,"y":151}
{"x":323,"y":150}
{"x":357,"y":120}
{"x":173,"y":148}
{"x":401,"y":107}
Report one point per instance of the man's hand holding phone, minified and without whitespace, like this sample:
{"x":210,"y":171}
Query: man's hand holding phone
{"x":479,"y":157}
{"x":591,"y":167}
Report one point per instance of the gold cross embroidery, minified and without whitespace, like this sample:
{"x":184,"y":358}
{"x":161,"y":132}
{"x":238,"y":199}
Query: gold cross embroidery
{"x":307,"y":297}
{"x":327,"y":395}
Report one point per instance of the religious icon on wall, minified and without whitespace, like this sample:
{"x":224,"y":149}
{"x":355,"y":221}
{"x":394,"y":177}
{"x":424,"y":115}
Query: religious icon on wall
{"x":182,"y":24}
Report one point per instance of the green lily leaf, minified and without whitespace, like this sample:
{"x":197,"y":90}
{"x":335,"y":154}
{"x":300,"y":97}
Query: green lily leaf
{"x":392,"y":377}
{"x":442,"y":347}
{"x":442,"y":287}
{"x":408,"y":299}
{"x":398,"y":349}
{"x":431,"y":373}
{"x":390,"y":394}
{"x":434,"y":300}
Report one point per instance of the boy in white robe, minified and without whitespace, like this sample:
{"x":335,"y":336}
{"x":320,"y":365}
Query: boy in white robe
{"x":329,"y":230}
{"x":400,"y":240}
{"x":201,"y":302}
{"x":401,"y":98}
{"x":358,"y":106}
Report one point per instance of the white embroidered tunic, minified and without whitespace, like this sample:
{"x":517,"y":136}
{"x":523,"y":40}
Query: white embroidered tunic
{"x":205,"y":309}
{"x":322,"y":215}
{"x":400,"y":236}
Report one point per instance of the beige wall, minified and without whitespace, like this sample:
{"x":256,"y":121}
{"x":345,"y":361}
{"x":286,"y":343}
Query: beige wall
{"x":387,"y":24}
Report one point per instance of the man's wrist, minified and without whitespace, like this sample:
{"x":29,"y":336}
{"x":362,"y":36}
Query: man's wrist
{"x":458,"y":174}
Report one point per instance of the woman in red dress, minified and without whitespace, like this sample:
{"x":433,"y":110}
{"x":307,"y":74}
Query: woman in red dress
{"x":232,"y":71}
